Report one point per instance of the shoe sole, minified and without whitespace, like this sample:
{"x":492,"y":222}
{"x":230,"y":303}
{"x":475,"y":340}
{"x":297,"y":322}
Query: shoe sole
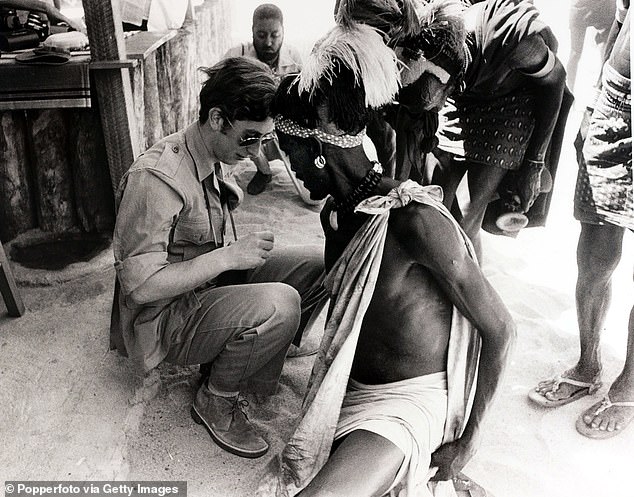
{"x":224,"y":445}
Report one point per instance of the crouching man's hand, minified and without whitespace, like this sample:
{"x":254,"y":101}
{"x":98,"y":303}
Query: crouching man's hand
{"x":450,"y":458}
{"x":250,"y":251}
{"x":530,"y":185}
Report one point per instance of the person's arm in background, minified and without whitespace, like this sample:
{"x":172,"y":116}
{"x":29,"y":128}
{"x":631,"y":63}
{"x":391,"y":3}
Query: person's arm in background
{"x":51,"y":11}
{"x":533,"y":58}
{"x":622,"y":7}
{"x":621,"y":10}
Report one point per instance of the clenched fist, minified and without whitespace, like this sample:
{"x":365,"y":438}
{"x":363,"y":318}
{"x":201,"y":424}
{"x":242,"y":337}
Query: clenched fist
{"x":251,"y":250}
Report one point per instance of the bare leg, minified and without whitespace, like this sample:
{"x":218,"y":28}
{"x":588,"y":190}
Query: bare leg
{"x":483,"y":183}
{"x":622,"y":390}
{"x":262,"y":164}
{"x":448,"y":174}
{"x":577,"y":40}
{"x":342,"y":477}
{"x":623,"y":386}
{"x":598,"y":254}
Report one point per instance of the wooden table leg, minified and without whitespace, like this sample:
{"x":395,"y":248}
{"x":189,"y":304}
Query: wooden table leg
{"x":9,"y":290}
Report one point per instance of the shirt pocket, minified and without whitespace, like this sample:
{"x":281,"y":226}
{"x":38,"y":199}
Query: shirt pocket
{"x":193,"y":236}
{"x":193,"y":230}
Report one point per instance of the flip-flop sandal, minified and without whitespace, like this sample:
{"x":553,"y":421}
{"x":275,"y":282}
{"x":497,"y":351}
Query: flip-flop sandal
{"x":585,"y":388}
{"x":466,"y":487}
{"x":603,"y":406}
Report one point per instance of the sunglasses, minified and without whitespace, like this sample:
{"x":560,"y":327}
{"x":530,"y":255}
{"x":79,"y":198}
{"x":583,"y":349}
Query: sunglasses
{"x":249,"y":141}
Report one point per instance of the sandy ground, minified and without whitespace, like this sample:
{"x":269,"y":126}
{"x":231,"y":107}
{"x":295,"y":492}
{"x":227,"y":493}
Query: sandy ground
{"x":72,"y":410}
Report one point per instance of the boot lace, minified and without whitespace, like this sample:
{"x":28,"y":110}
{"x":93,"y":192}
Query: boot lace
{"x":240,"y":405}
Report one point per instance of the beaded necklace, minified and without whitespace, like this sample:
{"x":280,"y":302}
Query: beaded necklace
{"x":362,"y":191}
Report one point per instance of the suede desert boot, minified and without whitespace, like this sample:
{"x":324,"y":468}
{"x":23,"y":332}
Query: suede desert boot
{"x":227,"y":423}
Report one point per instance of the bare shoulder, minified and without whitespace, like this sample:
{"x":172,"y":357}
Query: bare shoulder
{"x":429,"y":236}
{"x":420,"y":220}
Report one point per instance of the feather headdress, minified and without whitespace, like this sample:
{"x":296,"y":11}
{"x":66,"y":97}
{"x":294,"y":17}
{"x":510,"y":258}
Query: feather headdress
{"x":441,"y":27}
{"x":395,"y":18}
{"x":360,"y":49}
{"x":420,"y":31}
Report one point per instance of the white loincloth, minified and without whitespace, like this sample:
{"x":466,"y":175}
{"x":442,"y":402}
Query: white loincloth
{"x":410,"y":413}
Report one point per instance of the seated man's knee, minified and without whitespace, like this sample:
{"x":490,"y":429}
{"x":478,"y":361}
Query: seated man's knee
{"x":286,"y":303}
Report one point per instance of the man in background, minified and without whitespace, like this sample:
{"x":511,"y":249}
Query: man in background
{"x":268,"y":47}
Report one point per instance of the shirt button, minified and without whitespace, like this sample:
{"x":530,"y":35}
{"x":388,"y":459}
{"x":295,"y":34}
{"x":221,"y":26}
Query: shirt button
{"x":175,"y":149}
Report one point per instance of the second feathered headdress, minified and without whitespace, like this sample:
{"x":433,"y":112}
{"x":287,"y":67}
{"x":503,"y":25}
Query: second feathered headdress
{"x":360,"y":49}
{"x":420,"y":31}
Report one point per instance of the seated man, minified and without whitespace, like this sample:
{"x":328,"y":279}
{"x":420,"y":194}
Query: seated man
{"x":186,"y":293}
{"x":407,"y":270}
{"x":268,"y":46}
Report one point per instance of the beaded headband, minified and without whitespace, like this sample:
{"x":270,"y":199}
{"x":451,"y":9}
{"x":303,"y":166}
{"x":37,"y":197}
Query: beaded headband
{"x":343,"y":141}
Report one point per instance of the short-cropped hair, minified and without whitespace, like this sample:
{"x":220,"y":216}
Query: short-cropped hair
{"x":242,"y":88}
{"x":268,"y":11}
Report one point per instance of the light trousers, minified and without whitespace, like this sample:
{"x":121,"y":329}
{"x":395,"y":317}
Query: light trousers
{"x":243,"y":329}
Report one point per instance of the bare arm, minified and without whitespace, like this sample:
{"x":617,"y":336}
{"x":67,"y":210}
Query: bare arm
{"x":615,"y":29}
{"x":177,"y":278}
{"x":548,"y":79}
{"x":438,"y":246}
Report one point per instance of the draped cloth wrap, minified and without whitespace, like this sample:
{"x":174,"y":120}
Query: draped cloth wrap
{"x":351,"y":283}
{"x":498,"y":26}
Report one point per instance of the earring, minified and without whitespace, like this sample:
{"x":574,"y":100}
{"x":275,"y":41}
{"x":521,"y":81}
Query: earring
{"x":320,"y":162}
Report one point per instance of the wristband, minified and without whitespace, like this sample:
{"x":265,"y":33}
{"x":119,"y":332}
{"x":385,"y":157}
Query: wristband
{"x":548,"y":66}
{"x":537,"y":164}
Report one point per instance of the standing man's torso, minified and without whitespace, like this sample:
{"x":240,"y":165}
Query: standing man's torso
{"x":289,"y":60}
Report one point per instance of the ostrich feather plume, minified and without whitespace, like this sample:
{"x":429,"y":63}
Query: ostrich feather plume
{"x":359,"y":48}
{"x":395,"y":18}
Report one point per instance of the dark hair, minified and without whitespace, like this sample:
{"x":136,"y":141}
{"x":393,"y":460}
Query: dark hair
{"x":242,"y":88}
{"x":268,"y":11}
{"x":442,"y":41}
{"x":342,"y":94}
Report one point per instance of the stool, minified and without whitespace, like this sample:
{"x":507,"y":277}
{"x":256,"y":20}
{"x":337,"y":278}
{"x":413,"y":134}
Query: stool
{"x":15,"y":306}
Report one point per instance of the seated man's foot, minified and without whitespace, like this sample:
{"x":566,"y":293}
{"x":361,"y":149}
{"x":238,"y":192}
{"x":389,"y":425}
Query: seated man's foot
{"x":227,"y":423}
{"x":258,"y":183}
{"x":609,"y":417}
{"x":564,"y":389}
